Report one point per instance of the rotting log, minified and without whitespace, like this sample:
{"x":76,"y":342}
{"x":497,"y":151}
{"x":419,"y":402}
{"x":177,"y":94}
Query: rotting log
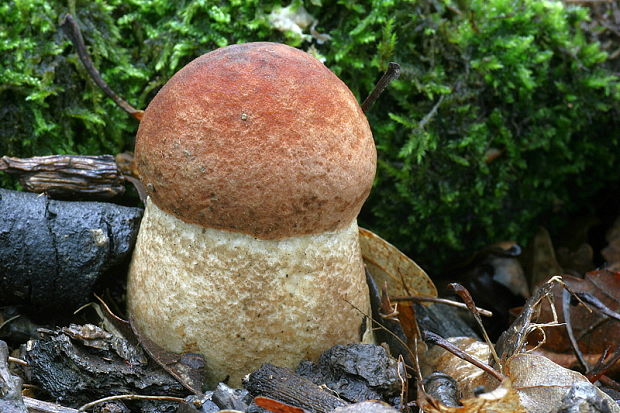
{"x":53,"y":252}
{"x":68,"y":176}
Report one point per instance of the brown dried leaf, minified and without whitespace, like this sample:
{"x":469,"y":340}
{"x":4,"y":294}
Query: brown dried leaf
{"x":542,"y":261}
{"x":467,"y":376}
{"x":276,"y":406}
{"x":542,"y":384}
{"x":387,"y":264}
{"x":593,"y":331}
{"x":503,"y":399}
{"x":406,"y":316}
{"x":570,"y":361}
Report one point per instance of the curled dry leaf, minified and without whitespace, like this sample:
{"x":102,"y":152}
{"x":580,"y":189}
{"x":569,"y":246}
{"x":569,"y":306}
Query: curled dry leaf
{"x":503,"y":399}
{"x":540,"y":260}
{"x":542,"y":384}
{"x":570,"y":361}
{"x":594,"y":332}
{"x":387,"y":264}
{"x":467,"y":376}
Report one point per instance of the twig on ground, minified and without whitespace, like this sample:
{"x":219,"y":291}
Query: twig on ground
{"x":129,"y":397}
{"x":441,"y":342}
{"x":569,"y":330}
{"x":72,"y":30}
{"x":597,"y":304}
{"x":39,"y":406}
{"x":422,"y":299}
{"x":17,"y":361}
{"x":469,"y":302}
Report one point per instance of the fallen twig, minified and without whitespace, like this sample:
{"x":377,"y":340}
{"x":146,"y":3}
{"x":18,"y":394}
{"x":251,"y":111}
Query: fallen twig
{"x":17,"y":361}
{"x":441,"y":342}
{"x":39,"y":406}
{"x":569,"y":330}
{"x":469,"y":302}
{"x":129,"y":397}
{"x":72,"y":30}
{"x":423,"y":299}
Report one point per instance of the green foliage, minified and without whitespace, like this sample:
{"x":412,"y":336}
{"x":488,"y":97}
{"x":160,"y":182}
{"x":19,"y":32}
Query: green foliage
{"x":514,"y":76}
{"x":518,"y":76}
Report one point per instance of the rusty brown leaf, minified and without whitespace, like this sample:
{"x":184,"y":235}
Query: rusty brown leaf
{"x":387,"y":264}
{"x":594,"y":332}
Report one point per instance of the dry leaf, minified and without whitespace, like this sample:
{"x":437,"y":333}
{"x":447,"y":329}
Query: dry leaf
{"x":503,"y":399}
{"x":387,"y":264}
{"x":467,"y":376}
{"x":276,"y":406}
{"x":594,"y":332}
{"x":542,"y":261}
{"x":542,"y":384}
{"x":570,"y":361}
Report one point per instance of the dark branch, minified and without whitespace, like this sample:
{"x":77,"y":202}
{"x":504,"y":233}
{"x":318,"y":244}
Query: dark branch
{"x":433,"y":338}
{"x":392,"y":73}
{"x":569,"y":330}
{"x":71,"y":28}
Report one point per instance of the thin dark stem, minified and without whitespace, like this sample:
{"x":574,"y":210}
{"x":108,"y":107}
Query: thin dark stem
{"x":392,"y":73}
{"x":596,"y":303}
{"x":601,"y":367}
{"x":441,"y":342}
{"x":569,"y":330}
{"x":72,"y":30}
{"x":422,"y":299}
{"x":471,"y":306}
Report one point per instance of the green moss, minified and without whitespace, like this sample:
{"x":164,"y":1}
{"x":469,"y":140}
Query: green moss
{"x":519,"y":77}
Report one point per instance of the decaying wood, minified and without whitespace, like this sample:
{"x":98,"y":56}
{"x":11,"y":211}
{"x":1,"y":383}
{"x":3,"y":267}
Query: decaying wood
{"x":79,"y":364}
{"x":282,"y":384}
{"x":53,"y":252}
{"x":39,"y":406}
{"x":67,"y":176}
{"x":339,"y":369}
{"x":10,"y":385}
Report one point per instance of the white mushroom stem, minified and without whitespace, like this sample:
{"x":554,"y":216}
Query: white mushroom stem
{"x":242,"y":301}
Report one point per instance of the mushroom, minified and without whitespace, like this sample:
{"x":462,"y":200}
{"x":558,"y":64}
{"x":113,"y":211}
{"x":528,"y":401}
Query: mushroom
{"x":257,"y":160}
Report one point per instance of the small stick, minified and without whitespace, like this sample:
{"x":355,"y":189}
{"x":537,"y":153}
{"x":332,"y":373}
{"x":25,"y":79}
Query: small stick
{"x":129,"y":397}
{"x":596,"y":303}
{"x":12,"y":318}
{"x":17,"y":361}
{"x":39,"y":406}
{"x":569,"y":330}
{"x":422,"y":299}
{"x":392,"y":73}
{"x":603,"y":365}
{"x":611,"y":383}
{"x":469,"y":302}
{"x":441,"y":342}
{"x":72,"y":30}
{"x":282,"y":384}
